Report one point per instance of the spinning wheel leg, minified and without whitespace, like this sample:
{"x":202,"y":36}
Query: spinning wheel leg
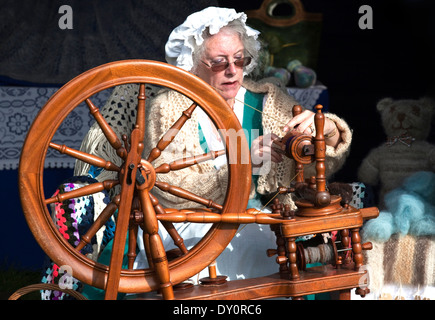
{"x":345,"y":241}
{"x":161,"y":265}
{"x":133,"y":158}
{"x":344,"y":294}
{"x":158,"y":254}
{"x":292,"y":257}
{"x":357,"y":248}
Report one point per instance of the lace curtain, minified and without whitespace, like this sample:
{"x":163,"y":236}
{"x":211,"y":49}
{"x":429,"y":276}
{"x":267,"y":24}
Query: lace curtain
{"x":33,"y":48}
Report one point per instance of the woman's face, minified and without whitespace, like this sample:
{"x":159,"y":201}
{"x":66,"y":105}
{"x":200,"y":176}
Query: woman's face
{"x":223,"y":46}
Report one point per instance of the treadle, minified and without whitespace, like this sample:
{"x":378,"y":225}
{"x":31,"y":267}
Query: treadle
{"x":314,"y":280}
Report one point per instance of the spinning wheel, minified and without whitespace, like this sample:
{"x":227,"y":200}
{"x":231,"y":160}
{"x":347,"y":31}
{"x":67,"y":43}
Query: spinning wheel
{"x":318,"y":210}
{"x":136,"y":178}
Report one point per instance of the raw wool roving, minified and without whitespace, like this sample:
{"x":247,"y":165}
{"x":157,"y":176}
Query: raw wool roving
{"x":407,"y":125}
{"x":410,"y":210}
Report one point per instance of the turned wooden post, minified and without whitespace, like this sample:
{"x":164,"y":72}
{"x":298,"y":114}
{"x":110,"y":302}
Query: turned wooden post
{"x":213,"y":279}
{"x":132,"y":238}
{"x":292,"y":258}
{"x":158,"y":254}
{"x":357,"y":248}
{"x":280,"y":241}
{"x":345,"y":242}
{"x":322,"y":196}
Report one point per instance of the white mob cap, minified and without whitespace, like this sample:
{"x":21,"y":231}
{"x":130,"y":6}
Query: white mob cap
{"x":180,"y":45}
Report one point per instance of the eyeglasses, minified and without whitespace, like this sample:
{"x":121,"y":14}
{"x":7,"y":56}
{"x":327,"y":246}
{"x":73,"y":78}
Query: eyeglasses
{"x":220,"y":66}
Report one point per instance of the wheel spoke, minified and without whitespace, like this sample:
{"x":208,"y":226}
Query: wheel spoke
{"x":107,"y":130}
{"x":85,"y":157}
{"x":104,"y":216}
{"x":83,"y":191}
{"x":171,"y":133}
{"x":178,"y":240}
{"x":189,"y":161}
{"x":182,"y":193}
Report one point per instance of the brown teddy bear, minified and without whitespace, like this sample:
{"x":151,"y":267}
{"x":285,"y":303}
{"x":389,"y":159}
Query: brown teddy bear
{"x":406,"y":151}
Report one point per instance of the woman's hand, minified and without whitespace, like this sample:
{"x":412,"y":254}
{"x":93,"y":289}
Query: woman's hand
{"x":304,"y":123}
{"x":263,"y":152}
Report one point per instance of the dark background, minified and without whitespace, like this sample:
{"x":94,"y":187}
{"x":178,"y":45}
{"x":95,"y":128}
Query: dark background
{"x":359,"y":67}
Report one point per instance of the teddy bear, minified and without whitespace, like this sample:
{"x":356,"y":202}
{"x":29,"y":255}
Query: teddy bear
{"x":407,"y":125}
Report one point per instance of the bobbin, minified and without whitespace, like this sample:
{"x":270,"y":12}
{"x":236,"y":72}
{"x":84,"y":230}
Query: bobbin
{"x":302,"y":252}
{"x":296,"y":145}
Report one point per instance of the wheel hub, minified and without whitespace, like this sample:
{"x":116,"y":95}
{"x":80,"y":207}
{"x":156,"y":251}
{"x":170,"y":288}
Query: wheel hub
{"x":145,"y":175}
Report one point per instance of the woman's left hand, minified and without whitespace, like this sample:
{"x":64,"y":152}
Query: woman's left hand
{"x":304,"y":123}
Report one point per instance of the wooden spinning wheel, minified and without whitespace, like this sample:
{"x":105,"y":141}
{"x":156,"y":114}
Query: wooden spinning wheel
{"x":318,"y":210}
{"x":136,"y":177}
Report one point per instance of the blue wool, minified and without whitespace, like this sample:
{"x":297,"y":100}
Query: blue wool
{"x":407,"y":208}
{"x":422,"y":183}
{"x":379,"y":229}
{"x":410,"y":209}
{"x":424,"y":227}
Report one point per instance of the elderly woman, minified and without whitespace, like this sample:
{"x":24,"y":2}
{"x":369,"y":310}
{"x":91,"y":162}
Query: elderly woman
{"x":216,"y":45}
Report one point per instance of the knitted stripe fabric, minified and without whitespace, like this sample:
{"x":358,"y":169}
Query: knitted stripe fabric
{"x":406,"y":260}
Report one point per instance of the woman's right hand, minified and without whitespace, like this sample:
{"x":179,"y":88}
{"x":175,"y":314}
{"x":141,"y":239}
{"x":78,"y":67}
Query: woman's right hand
{"x":263,"y":152}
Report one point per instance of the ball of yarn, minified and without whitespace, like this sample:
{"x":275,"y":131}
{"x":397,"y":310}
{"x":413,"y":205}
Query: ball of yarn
{"x":304,"y":77}
{"x":293,"y":65}
{"x":280,"y":73}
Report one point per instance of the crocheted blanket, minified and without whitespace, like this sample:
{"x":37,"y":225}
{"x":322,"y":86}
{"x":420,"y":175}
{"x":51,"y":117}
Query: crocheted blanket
{"x":403,"y":261}
{"x":73,"y":218}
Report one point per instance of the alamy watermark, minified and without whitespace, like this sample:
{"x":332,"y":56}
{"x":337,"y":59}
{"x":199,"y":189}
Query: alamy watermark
{"x":66,"y":20}
{"x":366,"y":20}
{"x":230,"y":140}
{"x":66,"y":281}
